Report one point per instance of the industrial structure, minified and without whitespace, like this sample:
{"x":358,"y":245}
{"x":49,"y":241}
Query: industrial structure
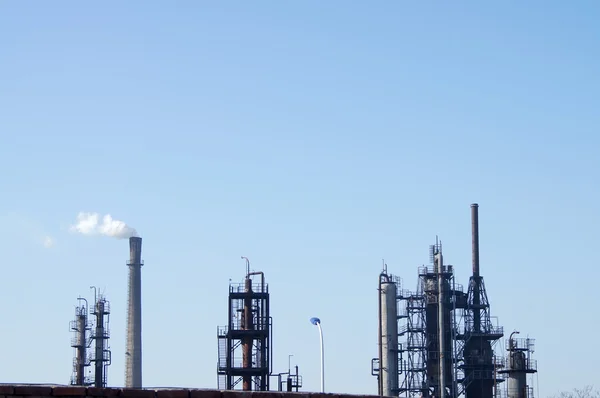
{"x":80,"y":342}
{"x":519,"y":366}
{"x":101,"y":333}
{"x":133,"y":353}
{"x":293,"y":381}
{"x":244,"y":345}
{"x":438,"y":341}
{"x":87,"y":333}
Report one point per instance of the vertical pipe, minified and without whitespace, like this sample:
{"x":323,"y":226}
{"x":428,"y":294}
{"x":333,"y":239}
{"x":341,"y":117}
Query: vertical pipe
{"x":229,"y":362}
{"x":475,"y":238}
{"x":380,"y":338}
{"x":441,"y":330}
{"x":322,"y":359}
{"x":454,"y":348}
{"x":81,"y":345}
{"x":475,"y":255}
{"x":247,"y":341}
{"x":99,"y":362}
{"x":133,"y":355}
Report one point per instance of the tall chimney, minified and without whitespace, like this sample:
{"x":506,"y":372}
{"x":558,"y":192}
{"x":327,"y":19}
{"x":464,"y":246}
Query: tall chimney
{"x":476,"y":280}
{"x":475,"y":238}
{"x":133,"y":351}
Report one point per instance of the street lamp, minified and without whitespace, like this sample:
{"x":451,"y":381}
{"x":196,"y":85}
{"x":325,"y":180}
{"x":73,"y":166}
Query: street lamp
{"x":317,"y":323}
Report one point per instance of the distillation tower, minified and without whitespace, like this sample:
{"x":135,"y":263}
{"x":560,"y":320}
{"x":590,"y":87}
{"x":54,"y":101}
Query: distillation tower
{"x":428,"y":319}
{"x":133,"y":351}
{"x":100,"y":335}
{"x":439,"y":324}
{"x":519,"y":366}
{"x":249,"y":333}
{"x":80,"y":342}
{"x":387,"y":372}
{"x":480,"y":367}
{"x":446,"y":337}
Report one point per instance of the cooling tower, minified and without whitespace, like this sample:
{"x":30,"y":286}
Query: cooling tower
{"x":133,"y":351}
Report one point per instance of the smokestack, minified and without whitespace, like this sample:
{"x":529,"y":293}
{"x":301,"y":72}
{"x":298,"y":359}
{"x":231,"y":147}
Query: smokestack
{"x":133,"y":354}
{"x":135,"y":250}
{"x":476,"y":280}
{"x":475,"y":238}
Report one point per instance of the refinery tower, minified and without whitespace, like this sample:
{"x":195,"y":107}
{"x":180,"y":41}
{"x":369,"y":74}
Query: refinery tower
{"x":439,"y":341}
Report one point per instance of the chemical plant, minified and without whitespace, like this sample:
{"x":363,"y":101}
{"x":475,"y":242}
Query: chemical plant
{"x":87,"y":334}
{"x":97,"y":332}
{"x":440,"y":341}
{"x":437,"y":341}
{"x":249,"y":331}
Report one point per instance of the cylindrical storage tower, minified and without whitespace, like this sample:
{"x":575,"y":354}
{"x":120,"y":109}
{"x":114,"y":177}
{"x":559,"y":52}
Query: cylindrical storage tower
{"x":517,"y":376}
{"x":99,"y":337}
{"x":133,"y":354}
{"x":388,"y":364}
{"x":81,"y":346}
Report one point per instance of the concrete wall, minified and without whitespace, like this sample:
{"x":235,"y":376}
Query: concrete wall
{"x":42,"y":391}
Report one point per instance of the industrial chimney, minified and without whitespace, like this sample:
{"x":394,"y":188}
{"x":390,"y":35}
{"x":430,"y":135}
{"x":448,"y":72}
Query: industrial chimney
{"x":133,"y":352}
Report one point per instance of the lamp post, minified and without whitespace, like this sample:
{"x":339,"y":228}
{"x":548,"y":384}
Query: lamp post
{"x":317,"y":323}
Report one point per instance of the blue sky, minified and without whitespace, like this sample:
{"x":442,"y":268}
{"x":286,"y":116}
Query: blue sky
{"x":315,"y":139}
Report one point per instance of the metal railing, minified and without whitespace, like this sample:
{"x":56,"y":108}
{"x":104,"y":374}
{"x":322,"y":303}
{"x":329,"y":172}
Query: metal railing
{"x":257,"y":287}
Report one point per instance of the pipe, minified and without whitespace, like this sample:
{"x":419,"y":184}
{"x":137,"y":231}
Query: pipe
{"x":81,"y":343}
{"x":454,"y":345}
{"x":262,"y":279}
{"x":99,"y":353}
{"x":261,"y":315}
{"x":247,"y":341}
{"x":247,"y":265}
{"x":322,"y":359}
{"x":511,"y":341}
{"x":382,"y":276}
{"x":475,"y":238}
{"x":476,"y":277}
{"x":248,"y":324}
{"x":441,"y":330}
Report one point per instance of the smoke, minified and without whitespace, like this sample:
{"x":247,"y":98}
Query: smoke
{"x":89,"y":224}
{"x":26,"y":228}
{"x":48,"y":242}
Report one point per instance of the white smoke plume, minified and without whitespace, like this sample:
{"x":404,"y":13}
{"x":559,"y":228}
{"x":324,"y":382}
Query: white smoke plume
{"x":48,"y":242}
{"x":89,"y":224}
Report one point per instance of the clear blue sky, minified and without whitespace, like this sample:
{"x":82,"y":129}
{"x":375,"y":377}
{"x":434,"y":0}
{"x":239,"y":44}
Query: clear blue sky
{"x":314,"y":138}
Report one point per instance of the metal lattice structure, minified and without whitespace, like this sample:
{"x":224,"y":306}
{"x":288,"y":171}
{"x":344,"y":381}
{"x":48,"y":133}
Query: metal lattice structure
{"x":80,"y":342}
{"x":419,"y":329}
{"x":413,"y":351}
{"x":244,"y":345}
{"x":519,"y":365}
{"x":448,"y":337}
{"x":101,"y":357}
{"x":479,"y":365}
